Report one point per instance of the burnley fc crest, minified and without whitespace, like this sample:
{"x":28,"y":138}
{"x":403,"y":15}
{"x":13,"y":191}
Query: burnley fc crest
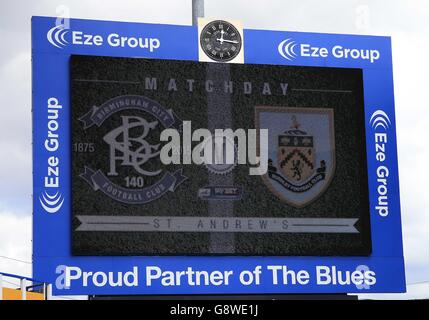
{"x":301,"y":151}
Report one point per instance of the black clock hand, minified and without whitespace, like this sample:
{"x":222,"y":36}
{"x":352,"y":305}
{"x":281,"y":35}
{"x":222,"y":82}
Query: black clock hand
{"x":230,"y":41}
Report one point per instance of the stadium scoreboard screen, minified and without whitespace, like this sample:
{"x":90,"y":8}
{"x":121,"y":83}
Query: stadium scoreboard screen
{"x":237,"y":151}
{"x":311,"y":203}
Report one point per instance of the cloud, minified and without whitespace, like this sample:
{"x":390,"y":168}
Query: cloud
{"x":15,"y":242}
{"x":15,"y":133}
{"x":409,"y":51}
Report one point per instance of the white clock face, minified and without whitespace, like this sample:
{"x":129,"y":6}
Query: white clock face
{"x":220,"y":41}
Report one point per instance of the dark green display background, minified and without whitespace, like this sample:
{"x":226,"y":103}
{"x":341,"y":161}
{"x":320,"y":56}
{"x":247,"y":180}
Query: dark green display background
{"x":94,"y":80}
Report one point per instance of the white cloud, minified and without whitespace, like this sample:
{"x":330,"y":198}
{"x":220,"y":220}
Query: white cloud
{"x":15,"y":242}
{"x":15,"y":133}
{"x":410,"y":74}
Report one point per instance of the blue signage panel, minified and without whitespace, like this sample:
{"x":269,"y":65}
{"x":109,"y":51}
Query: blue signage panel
{"x":55,"y":46}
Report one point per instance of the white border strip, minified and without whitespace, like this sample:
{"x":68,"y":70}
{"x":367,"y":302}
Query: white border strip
{"x":216,"y":224}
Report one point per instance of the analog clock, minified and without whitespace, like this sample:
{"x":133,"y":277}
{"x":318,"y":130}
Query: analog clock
{"x":220,"y":41}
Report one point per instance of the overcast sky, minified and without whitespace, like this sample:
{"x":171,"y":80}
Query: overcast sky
{"x":405,"y":21}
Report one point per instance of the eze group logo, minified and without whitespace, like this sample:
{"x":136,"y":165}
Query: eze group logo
{"x":290,"y":49}
{"x":56,"y":36}
{"x":286,"y":49}
{"x":61,"y":36}
{"x":51,"y":203}
{"x":51,"y":198}
{"x":380,"y":123}
{"x":380,"y":119}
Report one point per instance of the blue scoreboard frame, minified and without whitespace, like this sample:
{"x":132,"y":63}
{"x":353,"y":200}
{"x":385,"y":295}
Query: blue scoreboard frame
{"x":52,"y":46}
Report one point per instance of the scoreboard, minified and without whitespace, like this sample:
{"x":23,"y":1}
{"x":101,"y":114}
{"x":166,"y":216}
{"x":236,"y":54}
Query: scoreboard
{"x":213,"y":160}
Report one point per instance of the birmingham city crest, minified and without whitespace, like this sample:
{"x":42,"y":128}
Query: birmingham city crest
{"x":301,"y":152}
{"x":129,"y":129}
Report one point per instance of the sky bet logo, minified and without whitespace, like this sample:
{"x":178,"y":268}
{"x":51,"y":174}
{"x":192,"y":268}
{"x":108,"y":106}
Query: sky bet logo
{"x":290,"y":49}
{"x":60,"y":36}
